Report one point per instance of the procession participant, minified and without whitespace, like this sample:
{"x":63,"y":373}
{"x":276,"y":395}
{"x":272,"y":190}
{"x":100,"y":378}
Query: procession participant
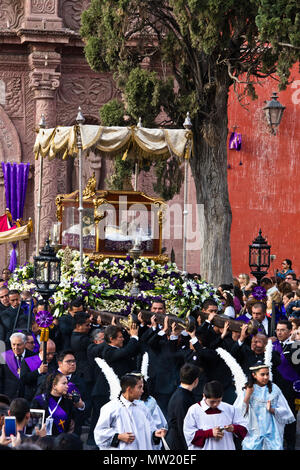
{"x":4,"y":299}
{"x":125,"y":423}
{"x":14,"y":317}
{"x":286,"y":376}
{"x":33,"y":370}
{"x":266,"y":410}
{"x":248,"y":355}
{"x":58,"y":405}
{"x":10,"y":383}
{"x":164,"y":372}
{"x":211,"y":424}
{"x":66,"y":322}
{"x":181,"y":400}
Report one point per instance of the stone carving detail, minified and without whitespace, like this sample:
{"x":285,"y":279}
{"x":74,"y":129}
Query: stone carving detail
{"x":12,"y":99}
{"x":71,"y":10}
{"x":43,"y":6}
{"x":10,"y":147}
{"x":88,"y":92}
{"x":11,"y":14}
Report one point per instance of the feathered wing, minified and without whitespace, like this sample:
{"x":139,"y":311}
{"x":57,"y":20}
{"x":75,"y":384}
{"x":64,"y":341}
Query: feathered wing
{"x":111,"y":377}
{"x":144,"y":366}
{"x":268,"y":357}
{"x":238,"y":374}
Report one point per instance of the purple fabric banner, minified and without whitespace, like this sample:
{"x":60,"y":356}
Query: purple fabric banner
{"x":15,"y":183}
{"x":235,"y":141}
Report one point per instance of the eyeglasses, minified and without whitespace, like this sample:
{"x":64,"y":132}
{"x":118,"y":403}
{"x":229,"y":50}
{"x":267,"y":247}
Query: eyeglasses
{"x":71,"y":361}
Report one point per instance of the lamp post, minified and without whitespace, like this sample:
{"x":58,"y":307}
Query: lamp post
{"x":80,"y":120}
{"x":187,"y":125}
{"x":274,"y":112}
{"x":259,"y":257}
{"x":46,"y":277}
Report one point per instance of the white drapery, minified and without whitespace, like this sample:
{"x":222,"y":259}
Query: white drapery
{"x":148,"y":143}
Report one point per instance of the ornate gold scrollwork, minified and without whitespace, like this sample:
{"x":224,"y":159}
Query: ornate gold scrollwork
{"x":90,"y":189}
{"x":59,"y":207}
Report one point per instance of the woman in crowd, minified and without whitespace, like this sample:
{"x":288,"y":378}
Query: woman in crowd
{"x":58,"y":405}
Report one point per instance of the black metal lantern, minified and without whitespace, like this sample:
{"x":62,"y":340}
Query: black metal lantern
{"x":274,"y":111}
{"x":46,"y":271}
{"x":259,"y":257}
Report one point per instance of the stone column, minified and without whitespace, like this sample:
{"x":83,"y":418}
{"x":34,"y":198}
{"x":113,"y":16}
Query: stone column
{"x":41,"y":14}
{"x":44,"y":80}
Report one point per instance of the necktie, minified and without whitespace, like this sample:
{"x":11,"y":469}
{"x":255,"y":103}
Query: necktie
{"x":262,"y":328}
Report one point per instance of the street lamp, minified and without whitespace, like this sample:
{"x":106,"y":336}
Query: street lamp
{"x":46,"y":271}
{"x":259,"y":257}
{"x":274,"y":111}
{"x":46,"y":278}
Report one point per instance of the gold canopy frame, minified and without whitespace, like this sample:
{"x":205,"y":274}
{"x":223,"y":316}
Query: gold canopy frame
{"x":137,"y":143}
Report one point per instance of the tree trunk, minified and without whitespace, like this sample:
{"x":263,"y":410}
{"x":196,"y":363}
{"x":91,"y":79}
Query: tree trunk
{"x":209,"y":168}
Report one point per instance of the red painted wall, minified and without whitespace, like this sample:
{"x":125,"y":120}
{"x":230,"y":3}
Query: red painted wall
{"x":265,"y":189}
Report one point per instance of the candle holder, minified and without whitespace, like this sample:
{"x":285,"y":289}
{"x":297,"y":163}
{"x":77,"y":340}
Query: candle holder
{"x":135,"y":252}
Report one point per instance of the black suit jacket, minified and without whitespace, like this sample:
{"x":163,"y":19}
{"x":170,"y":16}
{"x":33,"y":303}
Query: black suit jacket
{"x":10,"y":323}
{"x":79,"y":344}
{"x":32,"y":380}
{"x":66,"y":326}
{"x":163,"y":369}
{"x":179,"y":403}
{"x":11,"y":385}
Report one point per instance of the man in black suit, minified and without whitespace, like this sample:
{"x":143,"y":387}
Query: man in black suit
{"x":79,"y":342}
{"x":33,"y":370}
{"x":4,"y":299}
{"x":66,"y":322}
{"x":179,"y":403}
{"x":10,"y":383}
{"x":259,"y":310}
{"x":14,"y":317}
{"x":248,"y":356}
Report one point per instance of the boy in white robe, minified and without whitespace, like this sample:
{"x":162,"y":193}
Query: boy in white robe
{"x":211,"y":423}
{"x":125,"y":423}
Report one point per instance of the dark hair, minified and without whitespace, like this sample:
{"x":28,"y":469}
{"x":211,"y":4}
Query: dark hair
{"x":18,"y":408}
{"x":45,"y":442}
{"x":62,"y":354}
{"x":266,"y":281}
{"x":228,"y":300}
{"x":67,"y":441}
{"x":213,"y":389}
{"x":13,"y":292}
{"x":226,"y":286}
{"x":51,"y":379}
{"x":289,"y":262}
{"x":262,"y":305}
{"x":4,"y":399}
{"x":129,"y":380}
{"x":285,"y":287}
{"x":76,"y":303}
{"x":159,"y":301}
{"x":251,"y":379}
{"x":189,"y":373}
{"x":287,"y":323}
{"x":80,"y":318}
{"x":209,"y":302}
{"x":146,"y":392}
{"x":111,"y":332}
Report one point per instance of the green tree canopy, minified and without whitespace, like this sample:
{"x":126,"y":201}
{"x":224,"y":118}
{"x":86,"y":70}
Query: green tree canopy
{"x":199,"y":49}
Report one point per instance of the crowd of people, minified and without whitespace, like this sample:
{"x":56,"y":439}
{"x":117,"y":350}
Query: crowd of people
{"x":152,"y":385}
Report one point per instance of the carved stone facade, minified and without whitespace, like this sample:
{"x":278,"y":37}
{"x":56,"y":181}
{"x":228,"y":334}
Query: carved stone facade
{"x":43,"y":71}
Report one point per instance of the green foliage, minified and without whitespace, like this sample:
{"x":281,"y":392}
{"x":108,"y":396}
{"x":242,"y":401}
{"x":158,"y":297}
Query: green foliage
{"x":112,"y":113}
{"x":142,"y":95}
